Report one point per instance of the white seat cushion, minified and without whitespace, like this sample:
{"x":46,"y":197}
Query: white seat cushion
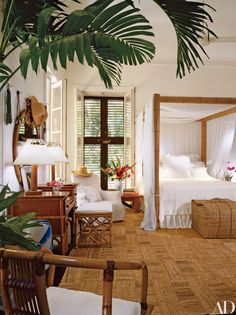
{"x":96,"y":206}
{"x":70,"y":302}
{"x":118,"y":211}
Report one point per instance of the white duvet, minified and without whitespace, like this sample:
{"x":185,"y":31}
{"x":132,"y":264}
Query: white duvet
{"x":176,"y":195}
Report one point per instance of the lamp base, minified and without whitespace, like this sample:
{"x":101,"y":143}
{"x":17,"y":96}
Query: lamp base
{"x":32,"y":192}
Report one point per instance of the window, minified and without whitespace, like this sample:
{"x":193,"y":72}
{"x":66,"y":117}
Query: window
{"x":103,"y":128}
{"x":56,"y":122}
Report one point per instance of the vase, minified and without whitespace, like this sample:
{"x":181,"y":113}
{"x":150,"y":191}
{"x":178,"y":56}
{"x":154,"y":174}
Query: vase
{"x":56,"y":189}
{"x":118,"y":185}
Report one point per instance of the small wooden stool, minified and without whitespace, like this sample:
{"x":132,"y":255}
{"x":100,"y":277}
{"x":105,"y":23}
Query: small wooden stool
{"x":93,"y":228}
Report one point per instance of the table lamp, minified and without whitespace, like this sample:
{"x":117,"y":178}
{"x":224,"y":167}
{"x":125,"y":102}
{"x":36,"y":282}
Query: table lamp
{"x":34,"y":152}
{"x":58,"y":156}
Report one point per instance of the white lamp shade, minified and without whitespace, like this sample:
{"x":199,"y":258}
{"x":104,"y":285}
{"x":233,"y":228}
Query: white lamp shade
{"x":34,"y":152}
{"x":58,"y":154}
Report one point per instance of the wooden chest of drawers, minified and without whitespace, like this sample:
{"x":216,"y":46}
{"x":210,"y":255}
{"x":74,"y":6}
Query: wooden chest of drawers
{"x":56,"y":207}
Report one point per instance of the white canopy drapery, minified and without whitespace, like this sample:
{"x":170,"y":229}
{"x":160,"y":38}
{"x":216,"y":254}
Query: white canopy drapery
{"x":180,"y":138}
{"x":220,"y":138}
{"x":149,"y":221}
{"x":186,"y":113}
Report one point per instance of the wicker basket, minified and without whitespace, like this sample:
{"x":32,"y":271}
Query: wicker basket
{"x":215,"y":218}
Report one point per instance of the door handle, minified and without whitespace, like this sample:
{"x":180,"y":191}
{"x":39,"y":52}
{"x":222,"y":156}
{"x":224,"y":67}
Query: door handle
{"x":106,"y":141}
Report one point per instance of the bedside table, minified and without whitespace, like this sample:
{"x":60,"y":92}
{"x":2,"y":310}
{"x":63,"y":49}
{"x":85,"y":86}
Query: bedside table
{"x":133,"y":197}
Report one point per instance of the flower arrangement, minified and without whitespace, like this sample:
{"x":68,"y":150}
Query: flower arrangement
{"x":116,"y":171}
{"x":56,"y":184}
{"x":229,"y":173}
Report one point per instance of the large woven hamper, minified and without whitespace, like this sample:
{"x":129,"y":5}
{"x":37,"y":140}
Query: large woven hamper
{"x":215,"y":218}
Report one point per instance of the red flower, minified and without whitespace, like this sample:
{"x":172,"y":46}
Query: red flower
{"x":116,"y":171}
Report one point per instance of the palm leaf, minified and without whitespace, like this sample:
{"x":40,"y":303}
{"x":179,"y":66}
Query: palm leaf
{"x":12,"y":229}
{"x":190,"y":22}
{"x":7,"y":197}
{"x":107,"y":49}
{"x":9,"y":236}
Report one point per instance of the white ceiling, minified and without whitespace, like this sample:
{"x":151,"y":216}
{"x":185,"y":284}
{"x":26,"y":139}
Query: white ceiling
{"x":224,"y":25}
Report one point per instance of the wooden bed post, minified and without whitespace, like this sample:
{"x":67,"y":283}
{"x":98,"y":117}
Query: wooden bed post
{"x":203,"y":140}
{"x":156,"y":112}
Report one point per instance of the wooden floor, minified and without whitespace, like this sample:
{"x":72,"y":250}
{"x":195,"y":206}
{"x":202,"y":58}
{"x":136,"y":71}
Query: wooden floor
{"x":188,"y":275}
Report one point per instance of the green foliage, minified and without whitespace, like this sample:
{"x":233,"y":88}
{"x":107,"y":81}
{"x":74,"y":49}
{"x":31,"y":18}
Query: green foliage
{"x":12,"y":228}
{"x":106,"y":34}
{"x":190,"y":20}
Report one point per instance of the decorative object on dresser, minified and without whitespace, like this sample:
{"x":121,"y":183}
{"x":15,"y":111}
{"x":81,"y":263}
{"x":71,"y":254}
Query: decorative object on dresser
{"x":34,"y":152}
{"x":214,"y":218}
{"x":56,"y":208}
{"x":56,"y":185}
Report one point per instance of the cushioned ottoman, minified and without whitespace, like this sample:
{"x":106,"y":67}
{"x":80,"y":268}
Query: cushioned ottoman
{"x":215,"y":218}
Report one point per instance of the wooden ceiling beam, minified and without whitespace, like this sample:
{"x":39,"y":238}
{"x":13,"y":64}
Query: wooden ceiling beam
{"x":198,"y":100}
{"x":220,"y":114}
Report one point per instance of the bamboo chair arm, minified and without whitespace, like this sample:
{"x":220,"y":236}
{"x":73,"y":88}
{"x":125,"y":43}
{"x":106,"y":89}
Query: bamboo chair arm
{"x":51,"y":269}
{"x":107,"y":266}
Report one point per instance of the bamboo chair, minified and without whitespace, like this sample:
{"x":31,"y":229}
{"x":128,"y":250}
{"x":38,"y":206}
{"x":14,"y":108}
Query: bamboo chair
{"x":24,"y":286}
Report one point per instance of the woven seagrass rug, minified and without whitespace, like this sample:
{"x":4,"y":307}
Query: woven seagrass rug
{"x":188,"y":275}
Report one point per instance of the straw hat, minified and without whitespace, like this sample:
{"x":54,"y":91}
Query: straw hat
{"x":82,"y":171}
{"x":39,"y":112}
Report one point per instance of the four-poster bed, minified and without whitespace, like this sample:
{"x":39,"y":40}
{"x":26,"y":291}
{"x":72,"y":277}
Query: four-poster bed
{"x":182,"y":191}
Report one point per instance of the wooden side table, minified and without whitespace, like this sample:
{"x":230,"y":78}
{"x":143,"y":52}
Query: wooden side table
{"x":133,"y":197}
{"x":56,"y":207}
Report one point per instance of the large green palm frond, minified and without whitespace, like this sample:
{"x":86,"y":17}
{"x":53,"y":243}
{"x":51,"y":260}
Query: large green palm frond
{"x":104,"y":34}
{"x":12,"y":229}
{"x":190,"y":22}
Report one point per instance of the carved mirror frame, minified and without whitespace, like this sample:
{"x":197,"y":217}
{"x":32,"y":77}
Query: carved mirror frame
{"x":24,"y":120}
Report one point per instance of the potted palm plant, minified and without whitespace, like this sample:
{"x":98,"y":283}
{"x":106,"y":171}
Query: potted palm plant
{"x":12,"y":228}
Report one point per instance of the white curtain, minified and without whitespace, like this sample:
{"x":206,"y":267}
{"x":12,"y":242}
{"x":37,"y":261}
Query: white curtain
{"x":220,"y":138}
{"x":180,"y":138}
{"x":149,"y":221}
{"x":139,"y":152}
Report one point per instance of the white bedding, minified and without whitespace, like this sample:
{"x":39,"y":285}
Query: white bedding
{"x":176,"y":195}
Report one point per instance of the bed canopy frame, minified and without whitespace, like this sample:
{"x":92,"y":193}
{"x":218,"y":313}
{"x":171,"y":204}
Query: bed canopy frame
{"x":187,"y":100}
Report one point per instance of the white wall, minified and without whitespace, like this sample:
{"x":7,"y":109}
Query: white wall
{"x":34,"y":85}
{"x":210,"y":80}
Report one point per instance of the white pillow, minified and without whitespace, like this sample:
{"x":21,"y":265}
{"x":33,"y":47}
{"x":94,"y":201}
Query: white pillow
{"x":81,"y":196}
{"x":163,"y":172}
{"x":194,"y":157}
{"x":200,"y":172}
{"x":178,"y":166}
{"x":92,"y":194}
{"x":198,"y":164}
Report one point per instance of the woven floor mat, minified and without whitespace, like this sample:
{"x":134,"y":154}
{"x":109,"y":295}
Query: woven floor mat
{"x":188,"y":275}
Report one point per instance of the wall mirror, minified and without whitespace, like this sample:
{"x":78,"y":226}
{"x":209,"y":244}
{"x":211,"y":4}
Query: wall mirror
{"x":25,"y":128}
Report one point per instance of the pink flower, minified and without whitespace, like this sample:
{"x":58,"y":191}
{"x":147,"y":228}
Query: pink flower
{"x":230,"y":168}
{"x":55,"y":183}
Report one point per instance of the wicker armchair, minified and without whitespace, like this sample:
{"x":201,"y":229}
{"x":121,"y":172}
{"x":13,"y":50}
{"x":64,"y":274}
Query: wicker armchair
{"x":25,"y":292}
